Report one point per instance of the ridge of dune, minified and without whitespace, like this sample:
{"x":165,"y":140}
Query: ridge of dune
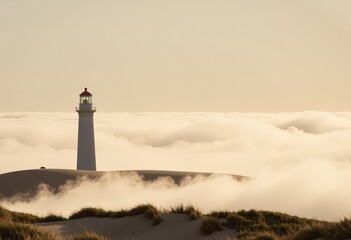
{"x":26,"y":182}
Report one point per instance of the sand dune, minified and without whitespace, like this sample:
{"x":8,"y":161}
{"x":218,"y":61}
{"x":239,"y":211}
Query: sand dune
{"x":26,"y":182}
{"x":174,"y":226}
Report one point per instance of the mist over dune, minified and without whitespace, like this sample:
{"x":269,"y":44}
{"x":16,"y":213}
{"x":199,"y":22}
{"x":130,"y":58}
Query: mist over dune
{"x":299,"y":162}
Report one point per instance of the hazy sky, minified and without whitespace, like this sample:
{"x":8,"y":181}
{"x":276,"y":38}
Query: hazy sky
{"x":176,"y":55}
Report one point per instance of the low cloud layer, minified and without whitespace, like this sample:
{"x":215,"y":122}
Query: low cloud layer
{"x":300,"y":162}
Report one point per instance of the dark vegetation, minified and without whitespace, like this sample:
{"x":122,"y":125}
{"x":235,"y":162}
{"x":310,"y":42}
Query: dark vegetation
{"x":149,"y":211}
{"x":249,"y":225}
{"x":88,"y":235}
{"x":265,"y":225}
{"x":21,"y":231}
{"x":210,"y":225}
{"x":189,"y":210}
{"x":248,"y":222}
{"x":16,"y":217}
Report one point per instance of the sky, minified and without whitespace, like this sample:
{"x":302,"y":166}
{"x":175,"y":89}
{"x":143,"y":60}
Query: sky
{"x":299,"y":163}
{"x":177,"y":55}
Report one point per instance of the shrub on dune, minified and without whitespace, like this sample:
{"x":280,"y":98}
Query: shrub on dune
{"x":262,"y":236}
{"x":220,"y":214}
{"x":266,"y":236}
{"x":189,"y":209}
{"x":322,"y":230}
{"x":21,"y":231}
{"x":90,"y":212}
{"x":210,"y":225}
{"x":52,"y":218}
{"x":88,"y":235}
{"x":139,"y":209}
{"x":310,"y":232}
{"x":252,"y":215}
{"x":8,"y":216}
{"x":153,"y":214}
{"x":342,"y":229}
{"x":273,"y":218}
{"x":24,"y":217}
{"x":149,"y":211}
{"x":120,"y":213}
{"x":5,"y":215}
{"x":248,"y":223}
{"x":28,"y":218}
{"x":237,"y":222}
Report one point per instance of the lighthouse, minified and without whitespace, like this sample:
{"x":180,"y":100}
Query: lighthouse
{"x":86,"y":143}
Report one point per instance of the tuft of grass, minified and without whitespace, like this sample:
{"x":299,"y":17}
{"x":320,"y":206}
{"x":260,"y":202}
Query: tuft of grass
{"x":120,"y":213}
{"x":88,"y":235}
{"x":90,"y":212}
{"x":17,"y":217}
{"x":149,"y":211}
{"x":342,"y":229}
{"x":220,"y":214}
{"x":274,"y":218}
{"x":252,"y":216}
{"x":140,"y":209}
{"x":266,"y":236}
{"x":310,"y":231}
{"x":52,"y":218}
{"x":237,"y":222}
{"x":249,"y":223}
{"x":5,"y":215}
{"x":210,"y":225}
{"x":189,"y":209}
{"x":21,"y":231}
{"x":24,"y":217}
{"x":263,"y":236}
{"x":152,"y":214}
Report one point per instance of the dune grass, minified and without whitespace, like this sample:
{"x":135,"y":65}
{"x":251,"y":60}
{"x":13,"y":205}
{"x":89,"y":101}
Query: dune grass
{"x":149,"y":211}
{"x":90,"y":212}
{"x":219,"y":214}
{"x":322,"y":230}
{"x":20,"y":231}
{"x":18,"y":226}
{"x":87,"y":235}
{"x":5,"y":215}
{"x":262,"y":236}
{"x":188,"y":209}
{"x":265,"y":225}
{"x":17,"y":217}
{"x":249,"y":225}
{"x":210,"y":225}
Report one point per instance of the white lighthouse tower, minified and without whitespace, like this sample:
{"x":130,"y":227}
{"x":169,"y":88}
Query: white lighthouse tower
{"x":86,"y":143}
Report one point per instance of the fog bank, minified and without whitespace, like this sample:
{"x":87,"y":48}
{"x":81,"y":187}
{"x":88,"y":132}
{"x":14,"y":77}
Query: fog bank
{"x":300,"y":162}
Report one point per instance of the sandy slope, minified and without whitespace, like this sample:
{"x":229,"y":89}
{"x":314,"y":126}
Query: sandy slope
{"x":174,"y":226}
{"x":27,"y":181}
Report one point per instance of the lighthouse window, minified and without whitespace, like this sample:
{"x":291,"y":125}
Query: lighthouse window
{"x":85,"y":100}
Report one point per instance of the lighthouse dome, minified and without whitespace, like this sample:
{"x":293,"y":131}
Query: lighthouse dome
{"x":85,"y":93}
